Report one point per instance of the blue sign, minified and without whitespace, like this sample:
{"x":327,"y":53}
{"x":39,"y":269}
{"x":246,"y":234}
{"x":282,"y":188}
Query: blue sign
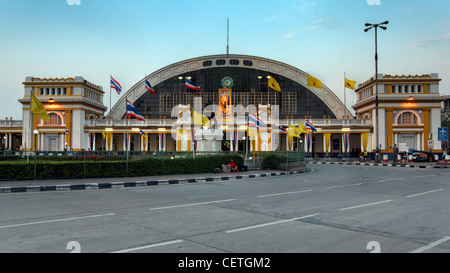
{"x":443,"y":134}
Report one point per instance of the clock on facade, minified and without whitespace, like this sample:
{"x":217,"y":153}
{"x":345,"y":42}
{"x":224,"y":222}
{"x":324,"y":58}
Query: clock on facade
{"x":227,"y":82}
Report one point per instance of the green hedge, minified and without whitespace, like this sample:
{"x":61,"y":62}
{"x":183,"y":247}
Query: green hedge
{"x":273,"y":162}
{"x":144,"y":167}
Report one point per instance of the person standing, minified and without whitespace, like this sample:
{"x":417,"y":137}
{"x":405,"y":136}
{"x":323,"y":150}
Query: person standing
{"x":395,"y":149}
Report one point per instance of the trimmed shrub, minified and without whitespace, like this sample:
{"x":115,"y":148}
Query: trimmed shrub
{"x":273,"y":162}
{"x":96,"y":169}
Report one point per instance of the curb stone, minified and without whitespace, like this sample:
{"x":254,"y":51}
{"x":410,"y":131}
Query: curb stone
{"x":381,"y":165}
{"x":140,"y":184}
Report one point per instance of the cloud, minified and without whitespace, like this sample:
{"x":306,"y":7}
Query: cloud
{"x":433,"y":41}
{"x":289,"y":35}
{"x":319,"y":22}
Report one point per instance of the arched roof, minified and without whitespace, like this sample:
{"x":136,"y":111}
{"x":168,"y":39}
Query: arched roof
{"x":270,"y":66}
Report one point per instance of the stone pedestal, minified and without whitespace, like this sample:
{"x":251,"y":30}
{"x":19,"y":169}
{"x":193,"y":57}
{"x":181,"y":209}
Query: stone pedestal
{"x":209,"y":140}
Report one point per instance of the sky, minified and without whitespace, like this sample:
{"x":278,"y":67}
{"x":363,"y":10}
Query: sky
{"x":131,"y":39}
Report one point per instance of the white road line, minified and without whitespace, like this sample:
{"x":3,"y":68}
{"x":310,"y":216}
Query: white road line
{"x":284,"y":193}
{"x":425,"y":248}
{"x":270,"y":224}
{"x":423,"y":176}
{"x":366,"y":205}
{"x":58,"y":220}
{"x":345,"y":186}
{"x":148,"y":246}
{"x":194,"y":204}
{"x":422,"y":193}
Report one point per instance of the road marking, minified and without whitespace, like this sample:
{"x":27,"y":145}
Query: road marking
{"x":423,"y":176}
{"x":425,"y":248}
{"x":366,"y":205}
{"x":270,"y":224}
{"x":148,"y":246}
{"x":422,"y":193}
{"x":194,"y":204}
{"x":345,"y":186}
{"x":284,"y":193}
{"x":58,"y":220}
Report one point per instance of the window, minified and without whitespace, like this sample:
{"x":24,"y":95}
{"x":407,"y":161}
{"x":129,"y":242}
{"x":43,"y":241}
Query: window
{"x":407,"y":118}
{"x":220,"y":62}
{"x":234,"y":62}
{"x":248,"y":63}
{"x":207,"y":63}
{"x":54,"y":119}
{"x":394,"y":88}
{"x":419,"y":89}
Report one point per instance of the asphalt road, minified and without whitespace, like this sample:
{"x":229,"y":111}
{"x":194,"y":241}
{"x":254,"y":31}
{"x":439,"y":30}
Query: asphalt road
{"x":335,"y":209}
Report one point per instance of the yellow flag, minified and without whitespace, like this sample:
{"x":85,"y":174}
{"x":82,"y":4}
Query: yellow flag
{"x":103,"y":134}
{"x":365,"y":139}
{"x":293,"y":131}
{"x":313,"y":82}
{"x":327,"y":142}
{"x":199,"y":119}
{"x":350,"y":84}
{"x":38,"y":109}
{"x":302,"y":128}
{"x":252,"y":132}
{"x":274,"y":84}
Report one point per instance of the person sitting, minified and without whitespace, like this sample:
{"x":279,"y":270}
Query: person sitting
{"x":234,"y":167}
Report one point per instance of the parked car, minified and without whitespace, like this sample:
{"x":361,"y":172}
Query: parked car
{"x":423,"y":156}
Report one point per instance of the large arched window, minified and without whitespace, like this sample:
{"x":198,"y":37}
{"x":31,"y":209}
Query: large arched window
{"x":55,"y":119}
{"x":407,"y":118}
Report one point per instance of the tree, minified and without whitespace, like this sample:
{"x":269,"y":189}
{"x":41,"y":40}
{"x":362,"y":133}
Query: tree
{"x":445,"y":118}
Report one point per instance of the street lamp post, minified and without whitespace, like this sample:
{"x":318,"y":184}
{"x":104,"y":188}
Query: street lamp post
{"x":36,"y":132}
{"x":369,"y":27}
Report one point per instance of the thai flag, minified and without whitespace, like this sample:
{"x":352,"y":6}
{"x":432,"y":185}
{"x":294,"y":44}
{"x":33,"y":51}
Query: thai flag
{"x":189,"y":84}
{"x":310,"y":126}
{"x":116,"y":85}
{"x":254,"y":121}
{"x":125,"y":139}
{"x":132,"y":112}
{"x":162,"y":140}
{"x":142,"y":133}
{"x":283,"y":130}
{"x":149,"y":87}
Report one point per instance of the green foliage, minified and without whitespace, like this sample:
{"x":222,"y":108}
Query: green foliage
{"x":446,"y":118}
{"x":273,"y":162}
{"x":95,"y":169}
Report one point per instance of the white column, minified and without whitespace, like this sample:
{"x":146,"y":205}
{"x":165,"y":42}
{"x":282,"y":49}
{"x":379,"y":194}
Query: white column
{"x":7,"y":141}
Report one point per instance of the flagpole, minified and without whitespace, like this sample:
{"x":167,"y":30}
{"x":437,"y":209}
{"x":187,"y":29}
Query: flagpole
{"x":345,"y":110}
{"x":345,"y":96}
{"x":110,"y":93}
{"x":127,"y":136}
{"x":145,"y":101}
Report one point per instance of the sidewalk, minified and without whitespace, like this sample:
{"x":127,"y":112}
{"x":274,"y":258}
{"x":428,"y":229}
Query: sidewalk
{"x":127,"y":182}
{"x":421,"y":165}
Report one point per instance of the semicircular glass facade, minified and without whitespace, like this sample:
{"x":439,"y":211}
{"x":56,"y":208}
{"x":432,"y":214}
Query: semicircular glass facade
{"x":249,"y":87}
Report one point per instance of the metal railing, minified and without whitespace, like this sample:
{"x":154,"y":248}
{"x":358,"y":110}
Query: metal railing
{"x":253,"y":160}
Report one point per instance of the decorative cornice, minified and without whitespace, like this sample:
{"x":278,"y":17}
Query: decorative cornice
{"x":53,"y":80}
